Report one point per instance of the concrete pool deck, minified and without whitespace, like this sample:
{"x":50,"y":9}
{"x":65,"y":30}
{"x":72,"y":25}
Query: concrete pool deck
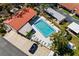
{"x":40,"y":38}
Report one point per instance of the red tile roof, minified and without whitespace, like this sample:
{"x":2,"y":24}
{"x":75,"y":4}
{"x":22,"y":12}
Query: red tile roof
{"x":21,"y":18}
{"x":77,"y":9}
{"x":71,"y":6}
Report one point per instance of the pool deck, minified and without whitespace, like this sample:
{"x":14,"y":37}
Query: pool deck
{"x":40,"y":38}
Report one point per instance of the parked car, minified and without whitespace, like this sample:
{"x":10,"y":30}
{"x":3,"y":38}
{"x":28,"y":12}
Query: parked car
{"x":33,"y":48}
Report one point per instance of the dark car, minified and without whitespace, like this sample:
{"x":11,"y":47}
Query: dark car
{"x":33,"y":48}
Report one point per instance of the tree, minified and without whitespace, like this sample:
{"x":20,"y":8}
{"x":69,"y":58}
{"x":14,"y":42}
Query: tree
{"x":61,"y":43}
{"x":53,"y":5}
{"x":41,"y":7}
{"x":32,"y":5}
{"x":69,"y":37}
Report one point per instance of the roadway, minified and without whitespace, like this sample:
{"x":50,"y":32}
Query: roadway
{"x":7,"y":49}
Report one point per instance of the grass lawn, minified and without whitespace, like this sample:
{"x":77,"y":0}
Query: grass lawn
{"x":76,"y":17}
{"x":67,"y":12}
{"x":64,"y":25}
{"x":77,"y":35}
{"x":75,"y":40}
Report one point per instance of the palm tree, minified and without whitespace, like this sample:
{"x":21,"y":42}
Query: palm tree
{"x":60,"y":43}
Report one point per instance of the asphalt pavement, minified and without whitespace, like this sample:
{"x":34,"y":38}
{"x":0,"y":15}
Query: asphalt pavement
{"x":7,"y":49}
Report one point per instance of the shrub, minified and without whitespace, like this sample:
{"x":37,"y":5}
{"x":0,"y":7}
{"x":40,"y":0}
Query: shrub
{"x":1,"y":20}
{"x":2,"y":30}
{"x":69,"y":37}
{"x":78,"y":35}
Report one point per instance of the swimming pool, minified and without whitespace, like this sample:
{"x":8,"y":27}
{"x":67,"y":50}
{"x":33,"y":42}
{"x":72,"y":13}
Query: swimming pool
{"x":44,"y":28}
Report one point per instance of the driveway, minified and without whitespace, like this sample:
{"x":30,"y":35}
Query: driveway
{"x":25,"y":44}
{"x":7,"y":49}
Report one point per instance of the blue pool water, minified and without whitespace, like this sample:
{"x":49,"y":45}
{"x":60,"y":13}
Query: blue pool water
{"x":44,"y":28}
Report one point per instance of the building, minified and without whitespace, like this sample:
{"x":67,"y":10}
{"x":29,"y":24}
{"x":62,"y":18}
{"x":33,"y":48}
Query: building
{"x":59,"y":17}
{"x":25,"y":29}
{"x":71,"y":45}
{"x":74,"y":27}
{"x":18,"y":20}
{"x":14,"y":10}
{"x":72,"y":7}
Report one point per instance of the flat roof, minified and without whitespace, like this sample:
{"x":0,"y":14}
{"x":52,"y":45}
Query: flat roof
{"x":20,"y":18}
{"x":74,"y":26}
{"x":25,"y":29}
{"x":55,"y":14}
{"x":25,"y":44}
